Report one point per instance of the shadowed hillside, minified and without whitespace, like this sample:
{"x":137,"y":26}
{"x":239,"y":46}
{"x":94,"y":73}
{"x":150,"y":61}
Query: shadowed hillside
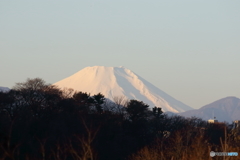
{"x":225,"y":109}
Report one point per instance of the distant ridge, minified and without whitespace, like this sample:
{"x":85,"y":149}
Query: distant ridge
{"x":4,"y":89}
{"x":120,"y":81}
{"x":226,"y":109}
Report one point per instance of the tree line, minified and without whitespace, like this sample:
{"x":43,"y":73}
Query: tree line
{"x":40,"y":121}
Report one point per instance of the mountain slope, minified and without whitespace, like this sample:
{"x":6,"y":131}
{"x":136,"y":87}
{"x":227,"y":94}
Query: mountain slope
{"x":4,"y":89}
{"x":119,"y":81}
{"x":225,"y":109}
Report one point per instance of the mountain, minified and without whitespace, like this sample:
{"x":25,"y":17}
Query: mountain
{"x":226,"y":109}
{"x":170,"y":114}
{"x":4,"y":89}
{"x":119,"y":81}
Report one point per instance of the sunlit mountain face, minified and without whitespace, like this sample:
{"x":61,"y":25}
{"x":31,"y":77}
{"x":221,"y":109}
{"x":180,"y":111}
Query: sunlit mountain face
{"x":120,"y":81}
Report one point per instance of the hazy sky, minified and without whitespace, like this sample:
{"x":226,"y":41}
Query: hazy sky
{"x":190,"y":48}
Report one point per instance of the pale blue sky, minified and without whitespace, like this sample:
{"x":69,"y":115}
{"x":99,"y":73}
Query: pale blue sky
{"x":190,"y":48}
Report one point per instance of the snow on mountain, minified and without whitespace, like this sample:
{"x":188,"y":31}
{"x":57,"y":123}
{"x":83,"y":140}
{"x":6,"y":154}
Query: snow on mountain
{"x":226,"y":109}
{"x":4,"y":89}
{"x":119,"y":81}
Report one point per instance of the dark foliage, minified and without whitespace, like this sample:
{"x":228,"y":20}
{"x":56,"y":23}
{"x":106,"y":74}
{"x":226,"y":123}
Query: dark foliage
{"x":39,"y":121}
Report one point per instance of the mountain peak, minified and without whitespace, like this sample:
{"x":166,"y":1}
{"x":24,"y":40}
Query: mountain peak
{"x":230,"y":98}
{"x":225,"y":109}
{"x":120,"y":81}
{"x":227,"y":101}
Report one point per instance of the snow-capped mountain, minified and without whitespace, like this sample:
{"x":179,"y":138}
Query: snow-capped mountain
{"x":119,"y":81}
{"x":226,"y":109}
{"x":4,"y":89}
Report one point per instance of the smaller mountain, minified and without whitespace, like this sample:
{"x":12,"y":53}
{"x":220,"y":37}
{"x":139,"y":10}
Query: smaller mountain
{"x":4,"y":89}
{"x":226,"y":109}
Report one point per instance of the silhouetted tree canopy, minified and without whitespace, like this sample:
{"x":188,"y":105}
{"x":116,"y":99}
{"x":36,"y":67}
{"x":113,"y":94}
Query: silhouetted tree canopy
{"x":40,"y":121}
{"x":137,"y":110}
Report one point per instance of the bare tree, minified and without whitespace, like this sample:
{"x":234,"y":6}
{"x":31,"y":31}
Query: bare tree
{"x":121,"y":102}
{"x":85,"y":143}
{"x":31,"y":85}
{"x":67,"y":93}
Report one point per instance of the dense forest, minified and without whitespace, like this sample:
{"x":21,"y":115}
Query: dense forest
{"x":38,"y":121}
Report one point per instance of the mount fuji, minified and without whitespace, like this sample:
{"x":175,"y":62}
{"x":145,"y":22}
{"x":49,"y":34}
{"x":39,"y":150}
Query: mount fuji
{"x":119,"y":81}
